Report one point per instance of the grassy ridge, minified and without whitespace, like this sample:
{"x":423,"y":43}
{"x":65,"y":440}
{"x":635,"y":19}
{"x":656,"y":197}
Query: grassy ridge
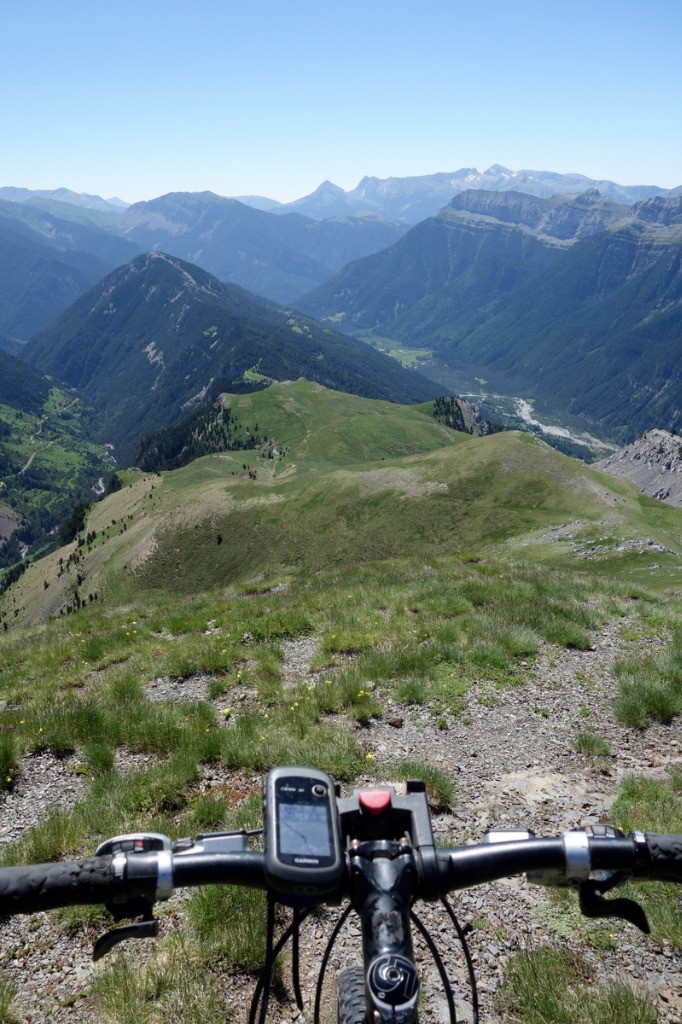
{"x":333,"y":428}
{"x":345,"y":481}
{"x":420,"y":632}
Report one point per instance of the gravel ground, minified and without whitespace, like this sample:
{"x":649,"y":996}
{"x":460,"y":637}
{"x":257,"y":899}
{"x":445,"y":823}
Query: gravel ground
{"x":511,"y":755}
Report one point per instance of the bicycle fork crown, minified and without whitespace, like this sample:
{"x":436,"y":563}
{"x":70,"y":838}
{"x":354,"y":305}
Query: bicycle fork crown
{"x":393,"y":985}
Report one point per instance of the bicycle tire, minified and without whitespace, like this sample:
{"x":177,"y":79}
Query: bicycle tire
{"x":351,"y":1005}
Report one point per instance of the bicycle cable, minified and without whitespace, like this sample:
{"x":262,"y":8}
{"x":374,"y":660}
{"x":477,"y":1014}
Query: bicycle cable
{"x":325,"y":961}
{"x":438,"y":961}
{"x":298,"y":918}
{"x":262,"y":989}
{"x":467,"y":956}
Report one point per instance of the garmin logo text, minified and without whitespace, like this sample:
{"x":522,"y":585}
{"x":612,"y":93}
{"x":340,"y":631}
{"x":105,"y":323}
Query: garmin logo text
{"x":306,"y":860}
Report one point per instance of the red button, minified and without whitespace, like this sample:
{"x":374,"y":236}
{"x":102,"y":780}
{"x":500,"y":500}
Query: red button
{"x":375,"y":801}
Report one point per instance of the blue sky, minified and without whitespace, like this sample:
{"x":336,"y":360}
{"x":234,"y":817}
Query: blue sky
{"x":272,"y":97}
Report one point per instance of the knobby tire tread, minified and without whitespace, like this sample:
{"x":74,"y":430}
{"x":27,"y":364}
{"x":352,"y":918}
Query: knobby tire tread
{"x":351,"y":996}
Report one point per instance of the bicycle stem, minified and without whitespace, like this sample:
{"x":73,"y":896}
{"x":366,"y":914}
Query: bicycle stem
{"x":384,"y":874}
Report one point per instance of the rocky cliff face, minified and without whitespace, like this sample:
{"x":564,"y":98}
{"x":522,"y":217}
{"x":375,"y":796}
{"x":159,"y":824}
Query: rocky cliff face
{"x":653,"y":462}
{"x":659,"y":210}
{"x":566,"y":217}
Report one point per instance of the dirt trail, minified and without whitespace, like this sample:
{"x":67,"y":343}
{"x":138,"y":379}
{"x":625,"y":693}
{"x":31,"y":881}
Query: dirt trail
{"x":512,"y":757}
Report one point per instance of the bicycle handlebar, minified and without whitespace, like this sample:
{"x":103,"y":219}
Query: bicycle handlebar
{"x":388,"y":859}
{"x":666,"y":857}
{"x":27,"y":890}
{"x":126,"y":877}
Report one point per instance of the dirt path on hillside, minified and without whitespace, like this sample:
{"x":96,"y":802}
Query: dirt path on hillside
{"x":511,"y":754}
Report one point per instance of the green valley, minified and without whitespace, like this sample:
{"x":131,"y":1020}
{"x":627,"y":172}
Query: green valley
{"x":47,"y":464}
{"x":574,"y":300}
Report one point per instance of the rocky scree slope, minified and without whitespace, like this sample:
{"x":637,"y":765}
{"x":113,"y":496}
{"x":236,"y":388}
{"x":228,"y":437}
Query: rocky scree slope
{"x":653,"y":463}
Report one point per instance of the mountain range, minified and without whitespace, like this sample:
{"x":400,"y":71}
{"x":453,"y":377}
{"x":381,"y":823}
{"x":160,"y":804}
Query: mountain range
{"x":413,"y":199}
{"x":571,"y":299}
{"x":158,"y":337}
{"x":66,"y":196}
{"x":55,"y":244}
{"x":574,"y":300}
{"x":52,"y":251}
{"x":410,"y":199}
{"x":277,"y":256}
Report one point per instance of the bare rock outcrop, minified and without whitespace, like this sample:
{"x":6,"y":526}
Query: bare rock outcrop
{"x":653,"y":463}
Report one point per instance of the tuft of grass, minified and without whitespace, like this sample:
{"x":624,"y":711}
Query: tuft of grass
{"x":568,"y":634}
{"x":592,"y":745}
{"x":561,"y":912}
{"x":440,"y":789}
{"x":100,"y":758}
{"x":230,"y":923}
{"x":413,"y":690}
{"x":654,"y":805}
{"x":551,"y":985}
{"x":173,"y":985}
{"x":643,"y":698}
{"x":650,"y":688}
{"x":208,"y":814}
{"x":8,"y":758}
{"x":56,"y":836}
{"x":9,"y":1009}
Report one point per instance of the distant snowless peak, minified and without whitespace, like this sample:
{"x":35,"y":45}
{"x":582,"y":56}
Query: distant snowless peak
{"x":407,"y":199}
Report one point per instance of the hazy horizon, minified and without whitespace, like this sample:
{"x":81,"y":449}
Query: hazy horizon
{"x":269,"y":98}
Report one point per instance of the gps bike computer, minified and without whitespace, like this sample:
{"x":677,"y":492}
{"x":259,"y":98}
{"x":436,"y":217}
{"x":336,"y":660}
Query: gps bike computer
{"x":303,"y":855}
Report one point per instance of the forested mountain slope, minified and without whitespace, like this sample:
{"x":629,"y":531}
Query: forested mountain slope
{"x":158,"y":336}
{"x":575,"y":301}
{"x":47,"y":462}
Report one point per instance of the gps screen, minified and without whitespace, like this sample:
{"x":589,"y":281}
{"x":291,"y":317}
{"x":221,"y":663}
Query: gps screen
{"x":304,"y":829}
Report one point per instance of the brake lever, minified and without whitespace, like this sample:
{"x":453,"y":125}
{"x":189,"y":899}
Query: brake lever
{"x":593,"y":904}
{"x":147,"y":928}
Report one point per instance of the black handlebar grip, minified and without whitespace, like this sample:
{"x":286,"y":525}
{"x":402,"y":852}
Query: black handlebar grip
{"x":666,"y":857}
{"x":26,"y":890}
